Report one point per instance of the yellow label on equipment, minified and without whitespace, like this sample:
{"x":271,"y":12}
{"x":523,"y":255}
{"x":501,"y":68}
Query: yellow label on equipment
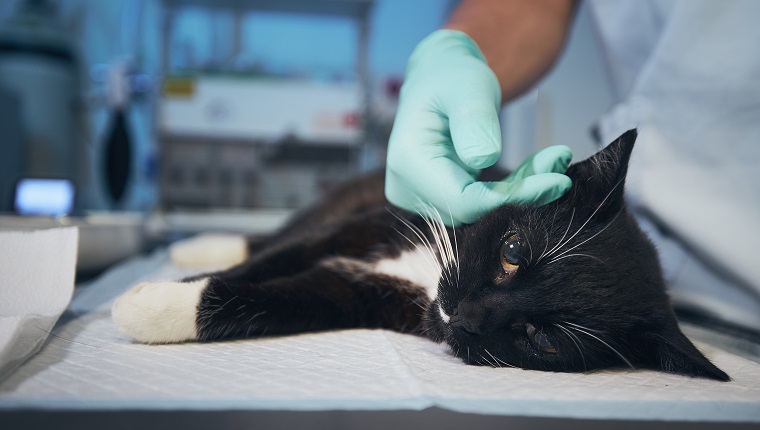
{"x":179,"y":87}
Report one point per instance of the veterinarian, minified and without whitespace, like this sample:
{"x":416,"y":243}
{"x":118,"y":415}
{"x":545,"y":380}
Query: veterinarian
{"x":686,"y":73}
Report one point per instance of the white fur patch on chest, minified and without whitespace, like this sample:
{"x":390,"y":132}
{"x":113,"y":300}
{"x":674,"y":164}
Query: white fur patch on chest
{"x":417,"y":266}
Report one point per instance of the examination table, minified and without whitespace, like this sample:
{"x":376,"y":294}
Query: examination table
{"x":88,"y":375}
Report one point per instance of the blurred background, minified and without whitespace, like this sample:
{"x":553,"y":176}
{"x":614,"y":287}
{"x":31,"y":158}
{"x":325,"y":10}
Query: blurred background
{"x":146,"y":120}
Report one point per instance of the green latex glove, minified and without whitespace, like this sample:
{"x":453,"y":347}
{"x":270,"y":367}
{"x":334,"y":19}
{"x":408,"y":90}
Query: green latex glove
{"x":447,"y":129}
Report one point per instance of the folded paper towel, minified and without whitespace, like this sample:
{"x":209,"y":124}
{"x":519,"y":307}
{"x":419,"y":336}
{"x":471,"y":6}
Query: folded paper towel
{"x":37,"y":271}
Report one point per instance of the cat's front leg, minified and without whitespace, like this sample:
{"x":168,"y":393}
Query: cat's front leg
{"x":336,"y":294}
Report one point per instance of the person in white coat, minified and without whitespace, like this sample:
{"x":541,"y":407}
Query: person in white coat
{"x":686,"y":73}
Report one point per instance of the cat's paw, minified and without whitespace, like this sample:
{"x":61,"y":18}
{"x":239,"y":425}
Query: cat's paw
{"x":159,"y":312}
{"x":214,"y":251}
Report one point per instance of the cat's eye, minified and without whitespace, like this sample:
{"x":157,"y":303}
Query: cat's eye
{"x":510,"y":253}
{"x":539,"y":339}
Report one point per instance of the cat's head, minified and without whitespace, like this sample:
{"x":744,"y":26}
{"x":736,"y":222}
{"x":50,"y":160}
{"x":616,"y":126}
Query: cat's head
{"x":570,"y":286}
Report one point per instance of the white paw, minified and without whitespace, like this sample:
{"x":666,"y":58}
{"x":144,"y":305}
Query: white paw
{"x":214,"y":251}
{"x":159,"y":312}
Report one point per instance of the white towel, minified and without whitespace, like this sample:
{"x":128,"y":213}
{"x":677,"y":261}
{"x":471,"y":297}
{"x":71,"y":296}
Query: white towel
{"x":36,"y":283}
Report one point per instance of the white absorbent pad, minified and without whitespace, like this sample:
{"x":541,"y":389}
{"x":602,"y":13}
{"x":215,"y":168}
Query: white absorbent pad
{"x":36,"y":282}
{"x":88,"y":364}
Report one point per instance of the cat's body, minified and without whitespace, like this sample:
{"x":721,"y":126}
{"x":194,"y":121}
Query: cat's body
{"x":570,"y":286}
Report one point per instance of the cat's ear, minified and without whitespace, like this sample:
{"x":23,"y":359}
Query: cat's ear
{"x":672,"y":352}
{"x":601,"y":177}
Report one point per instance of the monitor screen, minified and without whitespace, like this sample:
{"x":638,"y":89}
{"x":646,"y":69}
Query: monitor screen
{"x":52,"y":197}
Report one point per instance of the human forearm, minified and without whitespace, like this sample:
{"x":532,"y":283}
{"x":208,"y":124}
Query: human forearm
{"x":521,"y":39}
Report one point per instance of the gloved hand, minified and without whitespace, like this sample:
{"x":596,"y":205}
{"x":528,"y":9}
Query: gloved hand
{"x":447,"y":129}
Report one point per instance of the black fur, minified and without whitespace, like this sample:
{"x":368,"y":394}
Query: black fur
{"x":588,"y":293}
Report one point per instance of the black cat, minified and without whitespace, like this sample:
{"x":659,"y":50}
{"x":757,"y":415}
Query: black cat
{"x":570,"y":286}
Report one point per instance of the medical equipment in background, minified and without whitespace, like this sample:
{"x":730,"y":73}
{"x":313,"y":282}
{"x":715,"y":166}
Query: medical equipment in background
{"x":238,"y":140}
{"x":39,"y":89}
{"x":44,"y":161}
{"x":283,"y":160}
{"x":246,"y":143}
{"x":117,"y":154}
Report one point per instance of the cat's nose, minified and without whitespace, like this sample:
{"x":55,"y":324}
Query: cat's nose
{"x":466,"y":317}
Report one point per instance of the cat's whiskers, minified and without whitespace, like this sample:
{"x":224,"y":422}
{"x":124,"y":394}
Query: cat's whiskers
{"x":419,"y":305}
{"x":546,"y":244}
{"x":562,"y":244}
{"x":575,"y":341}
{"x":482,"y":358}
{"x":456,"y":244}
{"x":492,"y":357}
{"x":546,"y":232}
{"x":440,"y":236}
{"x":559,"y":256}
{"x":559,"y":243}
{"x":417,"y":232}
{"x":430,"y":262}
{"x":500,"y":361}
{"x":583,"y":327}
{"x":441,"y":258}
{"x":594,"y":213}
{"x":580,"y":330}
{"x":427,"y":324}
{"x":426,"y":251}
{"x":554,"y":260}
{"x":530,"y":248}
{"x":425,"y":247}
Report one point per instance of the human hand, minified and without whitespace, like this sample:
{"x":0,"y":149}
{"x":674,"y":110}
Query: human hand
{"x":447,"y":129}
